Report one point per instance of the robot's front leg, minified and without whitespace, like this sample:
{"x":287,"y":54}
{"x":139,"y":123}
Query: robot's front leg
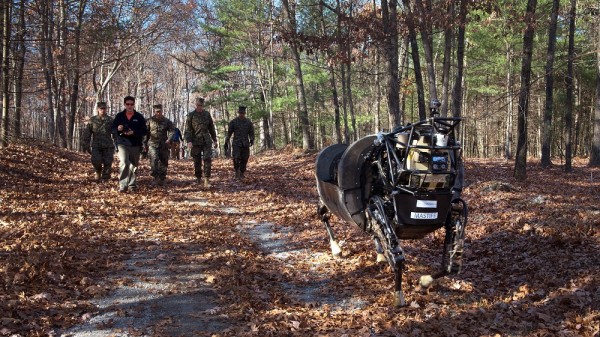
{"x":389,"y":245}
{"x":453,"y":243}
{"x":455,"y":237}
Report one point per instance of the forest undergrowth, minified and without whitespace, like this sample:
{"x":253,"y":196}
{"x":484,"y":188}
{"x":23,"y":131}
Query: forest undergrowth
{"x":532,"y":266}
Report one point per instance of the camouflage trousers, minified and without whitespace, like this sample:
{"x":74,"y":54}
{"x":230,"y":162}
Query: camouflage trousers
{"x":129,"y":159}
{"x":240,"y":155}
{"x":102,"y":158}
{"x":200,"y":154}
{"x":159,"y":160}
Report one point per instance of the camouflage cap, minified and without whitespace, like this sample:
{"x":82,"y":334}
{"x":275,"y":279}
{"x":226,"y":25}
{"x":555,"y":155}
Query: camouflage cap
{"x":101,"y":105}
{"x":242,"y":109}
{"x":157,"y":107}
{"x":199,"y":100}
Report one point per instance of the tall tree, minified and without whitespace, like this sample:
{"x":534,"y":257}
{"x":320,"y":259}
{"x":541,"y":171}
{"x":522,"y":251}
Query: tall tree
{"x":6,"y":32}
{"x":414,"y":46}
{"x":425,"y":19}
{"x":595,"y":152}
{"x":448,"y":37}
{"x":389,"y":17}
{"x":20,"y":52}
{"x":45,"y":12}
{"x":520,"y":171}
{"x":457,"y":91}
{"x":292,"y":26}
{"x":334,"y":92}
{"x":569,"y":86}
{"x":548,"y":106}
{"x":75,"y":72}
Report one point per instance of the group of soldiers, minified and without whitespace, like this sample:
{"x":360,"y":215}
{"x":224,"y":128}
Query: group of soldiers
{"x":130,"y":134}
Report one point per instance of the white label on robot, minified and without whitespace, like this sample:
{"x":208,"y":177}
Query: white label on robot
{"x":426,"y":216}
{"x":427,"y":203}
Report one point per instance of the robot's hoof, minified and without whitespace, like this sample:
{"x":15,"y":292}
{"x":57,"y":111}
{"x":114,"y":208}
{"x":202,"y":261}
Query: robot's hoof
{"x":380,"y":258}
{"x":399,"y":299}
{"x":425,"y":281}
{"x":335,"y":248}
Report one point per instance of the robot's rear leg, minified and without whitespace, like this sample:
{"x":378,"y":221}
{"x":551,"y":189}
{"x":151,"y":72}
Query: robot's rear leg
{"x":324,"y":214}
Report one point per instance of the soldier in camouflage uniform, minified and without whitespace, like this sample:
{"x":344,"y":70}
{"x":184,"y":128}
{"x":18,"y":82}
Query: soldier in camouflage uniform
{"x":157,"y":143}
{"x":98,"y":133}
{"x":243,"y":137}
{"x":201,"y":136}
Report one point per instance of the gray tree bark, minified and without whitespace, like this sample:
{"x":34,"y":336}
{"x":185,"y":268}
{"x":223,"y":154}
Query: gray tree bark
{"x":75,"y":77}
{"x":448,"y":37}
{"x":424,"y":8}
{"x":548,"y":106}
{"x":6,"y":28}
{"x":20,"y":52}
{"x":389,"y":11}
{"x":307,"y":139}
{"x":595,"y":153}
{"x":412,"y":37}
{"x":569,"y":87}
{"x":457,"y":91}
{"x":520,"y":171}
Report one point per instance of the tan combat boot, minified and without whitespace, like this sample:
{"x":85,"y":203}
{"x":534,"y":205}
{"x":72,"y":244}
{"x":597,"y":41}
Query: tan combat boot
{"x":98,"y":175}
{"x":207,"y":183}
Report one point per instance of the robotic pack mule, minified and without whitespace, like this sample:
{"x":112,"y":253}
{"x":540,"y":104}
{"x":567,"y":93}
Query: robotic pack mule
{"x":398,"y":185}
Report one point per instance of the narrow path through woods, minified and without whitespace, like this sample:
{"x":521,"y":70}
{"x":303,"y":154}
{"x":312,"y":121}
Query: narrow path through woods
{"x":166,"y":289}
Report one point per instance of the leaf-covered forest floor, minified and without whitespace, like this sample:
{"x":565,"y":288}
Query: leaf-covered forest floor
{"x":532,"y":266}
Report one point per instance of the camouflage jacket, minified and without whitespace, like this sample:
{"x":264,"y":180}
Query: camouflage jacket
{"x":158,"y":131}
{"x":243,"y":132}
{"x":98,"y":132}
{"x":200,"y":128}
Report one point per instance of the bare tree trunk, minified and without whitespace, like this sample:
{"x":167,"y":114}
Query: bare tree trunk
{"x":348,"y":47}
{"x":60,"y":74}
{"x":418,"y":77}
{"x":595,"y":154}
{"x":448,"y":36}
{"x":509,"y":103}
{"x":457,"y":91}
{"x":75,"y":75}
{"x":424,"y":8}
{"x":345,"y":104}
{"x":520,"y":171}
{"x":350,"y":101}
{"x":569,"y":87}
{"x":548,"y":106}
{"x":377,"y":126}
{"x":20,"y":51}
{"x":46,"y":56}
{"x":336,"y":104}
{"x":6,"y":23}
{"x":334,"y":91}
{"x":416,"y":62}
{"x":389,"y":11}
{"x":307,"y":139}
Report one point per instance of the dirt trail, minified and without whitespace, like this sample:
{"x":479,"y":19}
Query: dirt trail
{"x":170,"y":292}
{"x":162,"y":291}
